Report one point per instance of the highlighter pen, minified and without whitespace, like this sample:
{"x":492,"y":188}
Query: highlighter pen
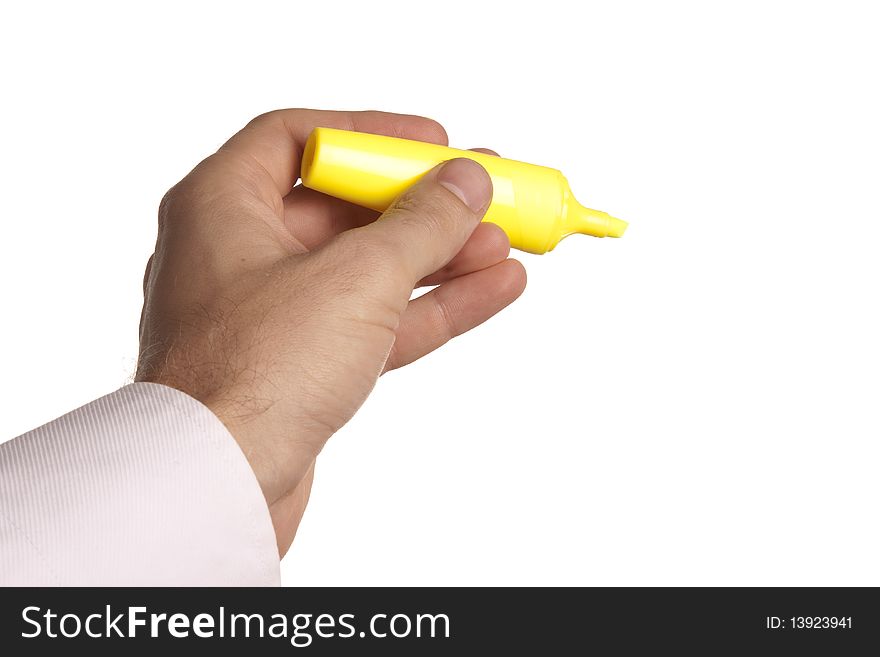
{"x":532,"y":204}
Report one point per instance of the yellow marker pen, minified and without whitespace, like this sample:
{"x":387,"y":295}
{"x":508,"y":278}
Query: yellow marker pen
{"x":533,"y":204}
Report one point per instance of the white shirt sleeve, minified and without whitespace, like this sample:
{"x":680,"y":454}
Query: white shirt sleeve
{"x":143,"y":487}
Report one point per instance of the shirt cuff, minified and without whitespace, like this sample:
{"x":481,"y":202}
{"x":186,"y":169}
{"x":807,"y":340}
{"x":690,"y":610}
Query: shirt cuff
{"x":143,"y":487}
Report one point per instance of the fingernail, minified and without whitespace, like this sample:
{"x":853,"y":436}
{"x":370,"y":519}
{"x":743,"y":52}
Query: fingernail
{"x":468,"y":181}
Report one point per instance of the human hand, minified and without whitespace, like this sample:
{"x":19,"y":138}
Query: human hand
{"x":279,"y":307}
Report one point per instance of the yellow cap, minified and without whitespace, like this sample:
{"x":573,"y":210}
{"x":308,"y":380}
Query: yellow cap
{"x":533,"y":204}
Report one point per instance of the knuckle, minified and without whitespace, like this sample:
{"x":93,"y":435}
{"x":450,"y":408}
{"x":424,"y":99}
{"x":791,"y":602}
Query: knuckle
{"x":275,"y":116}
{"x":445,"y":324}
{"x":180,"y":200}
{"x":266,"y":117}
{"x":429,"y":211}
{"x":438,"y":132}
{"x":201,"y":193}
{"x":147,"y":271}
{"x":165,"y":206}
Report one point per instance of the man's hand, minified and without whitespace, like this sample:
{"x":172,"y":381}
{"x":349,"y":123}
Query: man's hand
{"x":279,"y":307}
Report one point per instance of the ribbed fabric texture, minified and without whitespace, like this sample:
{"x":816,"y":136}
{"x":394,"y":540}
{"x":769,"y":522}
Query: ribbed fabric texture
{"x":143,"y":487}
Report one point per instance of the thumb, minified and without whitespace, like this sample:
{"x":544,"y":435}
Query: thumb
{"x":430,"y":222}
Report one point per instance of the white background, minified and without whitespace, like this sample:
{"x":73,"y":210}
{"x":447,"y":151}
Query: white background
{"x":696,"y":403}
